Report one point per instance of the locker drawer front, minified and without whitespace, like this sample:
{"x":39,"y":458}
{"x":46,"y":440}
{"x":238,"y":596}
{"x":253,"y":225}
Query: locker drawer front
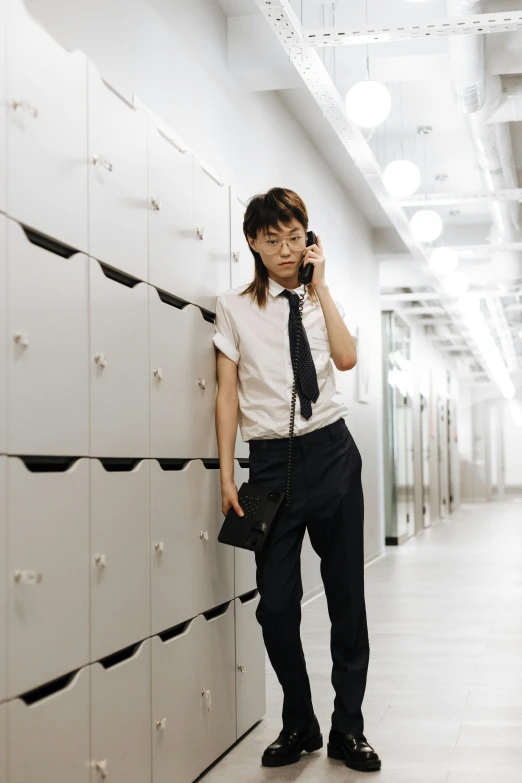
{"x":3,"y":743}
{"x":191,"y":571}
{"x":245,"y":562}
{"x":250,"y":666}
{"x":49,"y":740}
{"x":3,"y":578}
{"x":48,"y":573}
{"x":48,"y":370}
{"x":121,"y":718}
{"x":119,"y":557}
{"x":3,"y":320}
{"x":46,"y":132}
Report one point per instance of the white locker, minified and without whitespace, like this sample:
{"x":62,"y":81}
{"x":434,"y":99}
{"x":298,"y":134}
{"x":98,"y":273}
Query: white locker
{"x":242,"y":271}
{"x":46,"y":131}
{"x":49,"y":739}
{"x":210,"y":263}
{"x":48,"y":370}
{"x":3,"y":334}
{"x":117,"y":155}
{"x":121,"y":719}
{"x":182,"y":381}
{"x":245,"y":561}
{"x":172,"y":232}
{"x":119,"y":557}
{"x":3,"y":580}
{"x":3,"y":182}
{"x":48,"y":573}
{"x":218,"y":684}
{"x":3,"y":743}
{"x":191,"y":571}
{"x":178,"y":750}
{"x":250,"y":666}
{"x":119,"y":361}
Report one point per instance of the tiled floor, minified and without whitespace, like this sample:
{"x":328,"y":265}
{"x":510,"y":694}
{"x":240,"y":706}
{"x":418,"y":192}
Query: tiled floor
{"x":443,"y":702}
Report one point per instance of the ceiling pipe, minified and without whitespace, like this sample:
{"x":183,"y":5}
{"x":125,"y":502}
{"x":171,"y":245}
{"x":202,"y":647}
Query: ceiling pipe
{"x":478,"y":94}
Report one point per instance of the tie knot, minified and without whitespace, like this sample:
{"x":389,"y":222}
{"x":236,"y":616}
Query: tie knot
{"x":292,"y":298}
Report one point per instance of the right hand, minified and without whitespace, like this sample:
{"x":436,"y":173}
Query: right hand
{"x":229,"y":499}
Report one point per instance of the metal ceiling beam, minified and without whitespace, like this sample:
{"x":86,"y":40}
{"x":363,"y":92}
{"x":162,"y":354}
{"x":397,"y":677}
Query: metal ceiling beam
{"x":478,"y":24}
{"x":447,"y":199}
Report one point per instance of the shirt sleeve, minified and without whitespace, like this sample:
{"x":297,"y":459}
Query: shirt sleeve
{"x":225,"y":338}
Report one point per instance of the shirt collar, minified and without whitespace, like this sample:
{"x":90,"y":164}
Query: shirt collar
{"x":275,"y":288}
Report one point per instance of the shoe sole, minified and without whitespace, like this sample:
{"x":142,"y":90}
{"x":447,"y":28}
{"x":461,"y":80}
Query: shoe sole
{"x":311,"y":745}
{"x":360,"y":766}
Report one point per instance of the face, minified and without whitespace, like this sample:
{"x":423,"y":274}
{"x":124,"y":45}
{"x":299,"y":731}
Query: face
{"x":282,"y":265}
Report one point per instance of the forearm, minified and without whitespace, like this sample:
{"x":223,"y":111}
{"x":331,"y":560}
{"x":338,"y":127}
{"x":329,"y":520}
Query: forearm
{"x":226,"y":430}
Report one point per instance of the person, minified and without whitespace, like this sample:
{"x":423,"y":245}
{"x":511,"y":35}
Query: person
{"x":255,"y":380}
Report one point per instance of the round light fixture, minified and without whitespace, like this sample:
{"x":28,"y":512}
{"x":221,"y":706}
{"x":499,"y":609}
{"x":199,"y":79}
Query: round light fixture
{"x":443,"y":260}
{"x":456,"y":284}
{"x":401,"y":178}
{"x":368,"y":103}
{"x":468,"y":303}
{"x":426,"y":225}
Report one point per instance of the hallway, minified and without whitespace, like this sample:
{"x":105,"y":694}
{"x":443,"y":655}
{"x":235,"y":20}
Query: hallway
{"x":443,"y":702}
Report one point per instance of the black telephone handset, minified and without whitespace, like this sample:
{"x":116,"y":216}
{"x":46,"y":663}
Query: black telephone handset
{"x":305,"y":273}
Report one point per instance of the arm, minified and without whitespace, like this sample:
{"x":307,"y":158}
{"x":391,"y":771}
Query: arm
{"x":342,"y":344}
{"x":227,"y":406}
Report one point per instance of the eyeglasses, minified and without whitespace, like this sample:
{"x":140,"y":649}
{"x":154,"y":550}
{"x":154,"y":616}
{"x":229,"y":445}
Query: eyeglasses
{"x":295,"y":242}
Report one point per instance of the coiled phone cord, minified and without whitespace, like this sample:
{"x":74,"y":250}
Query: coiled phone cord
{"x":294,"y":393}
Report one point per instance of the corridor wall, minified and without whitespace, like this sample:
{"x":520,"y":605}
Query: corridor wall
{"x":129,"y":647}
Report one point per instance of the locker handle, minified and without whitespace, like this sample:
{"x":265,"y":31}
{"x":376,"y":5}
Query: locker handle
{"x":204,"y":535}
{"x":201,"y":232}
{"x":202,"y":383}
{"x":101,"y":767}
{"x":208,"y":698}
{"x":102,"y":161}
{"x":25,"y":107}
{"x":159,"y":546}
{"x":236,"y":254}
{"x":100,"y":359}
{"x":240,"y":668}
{"x":158,"y":373}
{"x":100,"y":560}
{"x":21,"y":340}
{"x":161,"y":724}
{"x":155,"y":203}
{"x":28,"y":577}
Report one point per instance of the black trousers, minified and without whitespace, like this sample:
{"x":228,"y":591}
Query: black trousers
{"x":326,"y":497}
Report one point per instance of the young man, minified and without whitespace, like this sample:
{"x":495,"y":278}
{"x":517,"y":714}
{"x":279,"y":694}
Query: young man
{"x":255,"y":329}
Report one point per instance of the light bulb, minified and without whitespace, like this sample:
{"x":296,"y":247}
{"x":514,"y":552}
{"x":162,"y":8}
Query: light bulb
{"x":426,"y":225}
{"x":443,"y":260}
{"x":456,"y":284}
{"x":401,"y":178}
{"x":368,"y":103}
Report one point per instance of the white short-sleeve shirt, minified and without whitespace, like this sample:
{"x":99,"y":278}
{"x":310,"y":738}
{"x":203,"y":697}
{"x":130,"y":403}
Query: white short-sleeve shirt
{"x":257,"y":341}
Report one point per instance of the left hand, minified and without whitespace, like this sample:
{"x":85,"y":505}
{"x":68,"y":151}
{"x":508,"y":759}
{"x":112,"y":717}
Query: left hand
{"x":313,"y":254}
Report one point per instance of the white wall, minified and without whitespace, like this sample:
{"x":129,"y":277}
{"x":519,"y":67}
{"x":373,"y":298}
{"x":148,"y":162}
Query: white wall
{"x":173,"y":56}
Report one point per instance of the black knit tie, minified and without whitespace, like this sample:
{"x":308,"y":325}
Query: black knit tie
{"x":305,"y":374}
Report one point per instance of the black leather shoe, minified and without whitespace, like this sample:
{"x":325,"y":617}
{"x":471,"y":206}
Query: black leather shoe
{"x":288,"y":746}
{"x":354,"y":750}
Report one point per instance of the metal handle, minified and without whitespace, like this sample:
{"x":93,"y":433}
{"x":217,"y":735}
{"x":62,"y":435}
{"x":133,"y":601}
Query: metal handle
{"x":24,"y":106}
{"x":202,"y":383}
{"x":102,"y":767}
{"x":161,"y":724}
{"x":201,"y":232}
{"x":159,"y":546}
{"x":96,"y":159}
{"x":204,"y":535}
{"x":208,"y":698}
{"x":28,"y":577}
{"x":240,"y":668}
{"x":236,"y":255}
{"x":100,"y":359}
{"x":155,"y":203}
{"x":158,"y":373}
{"x":21,"y":340}
{"x":100,"y":560}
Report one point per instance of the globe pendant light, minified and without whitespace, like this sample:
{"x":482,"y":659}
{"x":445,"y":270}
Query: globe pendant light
{"x":444,"y":260}
{"x":368,"y":103}
{"x":426,"y":225}
{"x":456,"y":284}
{"x":401,"y":178}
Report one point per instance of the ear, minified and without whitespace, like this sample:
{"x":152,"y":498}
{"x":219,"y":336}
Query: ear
{"x":251,"y":242}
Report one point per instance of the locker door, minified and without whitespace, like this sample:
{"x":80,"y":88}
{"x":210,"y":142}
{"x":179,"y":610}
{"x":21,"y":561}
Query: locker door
{"x":121,"y":718}
{"x":117,"y":179}
{"x":2,"y":106}
{"x":250,"y":666}
{"x":218,"y":684}
{"x":48,"y":370}
{"x":48,"y":572}
{"x":119,"y":342}
{"x":119,"y":557}
{"x":191,"y":571}
{"x":182,"y":381}
{"x":242,"y":271}
{"x":49,"y":737}
{"x":245,"y":561}
{"x":179,"y":752}
{"x":172,"y":235}
{"x":3,"y":580}
{"x":3,"y":335}
{"x":46,"y":131}
{"x":3,"y":743}
{"x":210,"y":268}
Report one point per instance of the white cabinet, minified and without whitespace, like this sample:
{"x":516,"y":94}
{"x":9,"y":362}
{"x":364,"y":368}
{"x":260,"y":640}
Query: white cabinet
{"x":3,"y":743}
{"x":121,"y":718}
{"x":46,"y":131}
{"x":172,"y":232}
{"x":191,"y":571}
{"x":48,"y":371}
{"x":245,"y":562}
{"x":119,"y":557}
{"x":193,"y":697}
{"x":3,"y":334}
{"x":3,"y":182}
{"x":210,"y":263}
{"x":242,"y":271}
{"x":250,"y":666}
{"x":119,"y":360}
{"x":182,"y":381}
{"x":3,"y":580}
{"x":49,"y":738}
{"x":117,"y":144}
{"x":47,"y":573}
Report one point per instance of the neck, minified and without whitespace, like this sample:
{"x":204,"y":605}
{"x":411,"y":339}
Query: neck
{"x":287,"y":282}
